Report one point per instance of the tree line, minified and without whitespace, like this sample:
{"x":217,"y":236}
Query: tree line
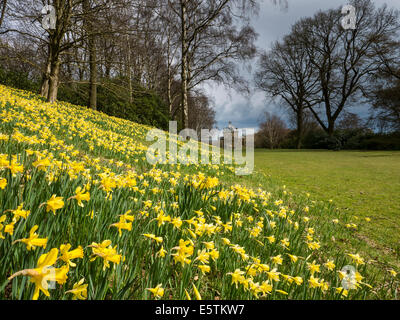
{"x":110,"y":54}
{"x":146,"y":60}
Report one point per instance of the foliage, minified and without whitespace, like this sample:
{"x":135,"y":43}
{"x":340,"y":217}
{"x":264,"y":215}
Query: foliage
{"x":17,"y":79}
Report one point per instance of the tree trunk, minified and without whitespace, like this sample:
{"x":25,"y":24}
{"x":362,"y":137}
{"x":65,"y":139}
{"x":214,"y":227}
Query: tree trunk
{"x":44,"y":88}
{"x":184,"y":85}
{"x":300,"y":128}
{"x":93,"y":76}
{"x":169,"y":97}
{"x":331,"y":128}
{"x":92,"y":56}
{"x":129,"y":70}
{"x":53,"y":82}
{"x":93,"y":73}
{"x":169,"y":77}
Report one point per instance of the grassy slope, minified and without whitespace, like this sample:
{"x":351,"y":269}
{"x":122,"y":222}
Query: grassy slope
{"x":362,"y":184}
{"x":130,"y":134}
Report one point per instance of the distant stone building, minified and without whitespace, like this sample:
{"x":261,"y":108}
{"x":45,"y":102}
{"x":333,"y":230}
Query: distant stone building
{"x":229,"y":134}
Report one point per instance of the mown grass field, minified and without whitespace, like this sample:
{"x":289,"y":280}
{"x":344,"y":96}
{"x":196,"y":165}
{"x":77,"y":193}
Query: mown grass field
{"x":362,"y":184}
{"x":84,"y":215}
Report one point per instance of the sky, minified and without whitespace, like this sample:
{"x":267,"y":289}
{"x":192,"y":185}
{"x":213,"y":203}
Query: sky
{"x":271,"y":24}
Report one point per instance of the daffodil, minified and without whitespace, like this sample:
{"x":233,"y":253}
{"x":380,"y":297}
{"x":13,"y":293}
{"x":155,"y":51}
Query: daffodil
{"x":204,"y":268}
{"x":162,"y":252}
{"x":277,"y":259}
{"x":293,"y":258}
{"x":44,"y":272}
{"x":329,"y":265}
{"x":313,"y":267}
{"x":271,"y":239}
{"x":184,"y":251}
{"x":236,"y":276}
{"x":314,"y":283}
{"x":356,"y":258}
{"x":122,"y":225}
{"x":9,"y":228}
{"x":273,"y":275}
{"x":79,"y":290}
{"x":393,"y":273}
{"x":15,"y":167}
{"x":67,"y":256}
{"x":343,"y":292}
{"x":176,"y":222}
{"x":33,"y":241}
{"x":42,"y":164}
{"x":2,"y":219}
{"x":196,"y":292}
{"x":266,"y":288}
{"x":202,"y":256}
{"x":214,"y":254}
{"x":81,"y":195}
{"x":54,"y":203}
{"x":152,"y":236}
{"x":158,"y":291}
{"x":3,"y":183}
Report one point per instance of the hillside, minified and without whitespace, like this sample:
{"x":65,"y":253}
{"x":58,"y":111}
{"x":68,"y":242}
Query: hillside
{"x":81,"y":206}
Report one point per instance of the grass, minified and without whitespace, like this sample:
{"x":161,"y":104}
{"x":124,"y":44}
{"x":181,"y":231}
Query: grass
{"x":361,"y":184}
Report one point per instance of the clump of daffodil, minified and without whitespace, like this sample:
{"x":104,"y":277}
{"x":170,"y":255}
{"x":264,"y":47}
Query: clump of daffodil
{"x":183,"y":252}
{"x":237,"y":277}
{"x":44,"y":272}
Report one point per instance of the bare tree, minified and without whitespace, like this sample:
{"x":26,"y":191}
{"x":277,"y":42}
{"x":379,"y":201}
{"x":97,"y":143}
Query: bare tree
{"x":386,"y":107}
{"x":210,"y":42}
{"x":272,"y":131}
{"x":343,"y":59}
{"x":286,"y":72}
{"x":201,"y":115}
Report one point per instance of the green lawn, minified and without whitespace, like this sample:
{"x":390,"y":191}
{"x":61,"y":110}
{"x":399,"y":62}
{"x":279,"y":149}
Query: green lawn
{"x":361,"y":184}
